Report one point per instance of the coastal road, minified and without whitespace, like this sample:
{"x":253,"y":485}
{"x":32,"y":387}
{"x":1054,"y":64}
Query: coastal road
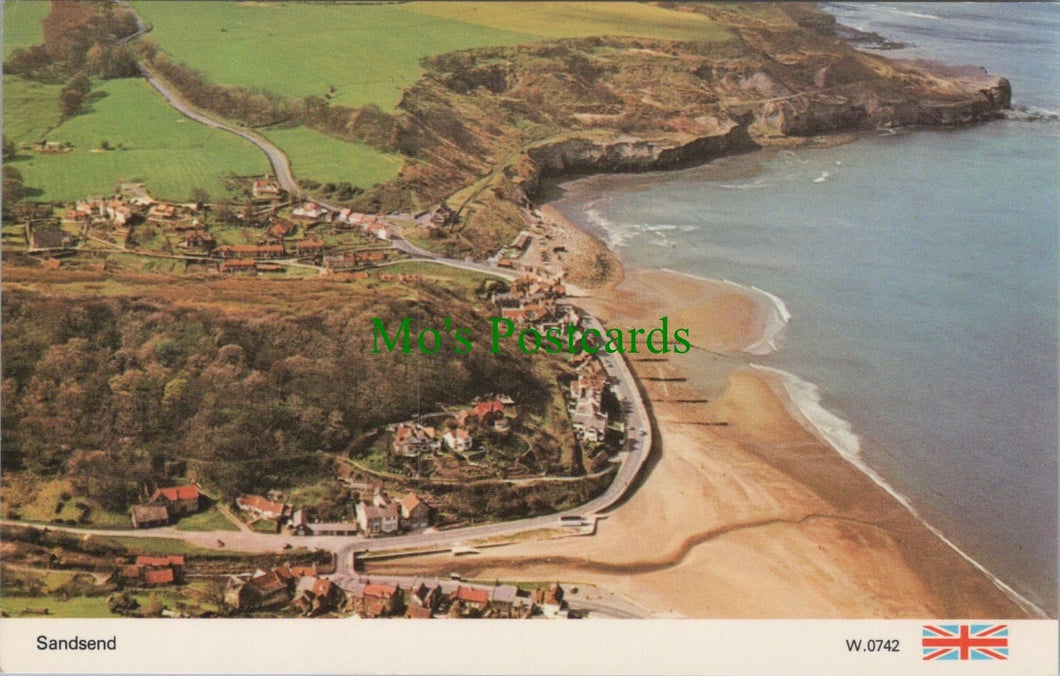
{"x":638,"y":424}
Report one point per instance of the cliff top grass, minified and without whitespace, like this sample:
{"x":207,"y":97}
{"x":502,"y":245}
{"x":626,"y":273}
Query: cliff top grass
{"x":22,"y":24}
{"x":160,"y":147}
{"x":371,"y":53}
{"x":322,"y":158}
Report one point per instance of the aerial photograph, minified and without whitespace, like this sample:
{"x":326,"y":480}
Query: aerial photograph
{"x":530,"y":310}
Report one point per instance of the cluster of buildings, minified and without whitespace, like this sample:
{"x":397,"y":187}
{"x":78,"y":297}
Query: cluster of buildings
{"x":531,"y":301}
{"x":370,"y":224}
{"x":132,"y":205}
{"x":492,"y":414}
{"x":165,"y":505}
{"x":351,"y":260}
{"x":381,"y":515}
{"x":585,"y":399}
{"x":153,"y":571}
{"x":301,"y":589}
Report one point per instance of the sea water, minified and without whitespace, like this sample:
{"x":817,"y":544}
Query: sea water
{"x":920,"y":268}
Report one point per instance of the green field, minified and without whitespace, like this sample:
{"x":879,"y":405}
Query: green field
{"x":210,"y":520}
{"x":168,"y":152}
{"x":22,"y":23}
{"x":323,"y":158}
{"x":31,"y":109}
{"x":554,"y":20}
{"x":371,"y":53}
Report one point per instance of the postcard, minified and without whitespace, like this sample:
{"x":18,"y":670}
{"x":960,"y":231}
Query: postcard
{"x":733,"y":323}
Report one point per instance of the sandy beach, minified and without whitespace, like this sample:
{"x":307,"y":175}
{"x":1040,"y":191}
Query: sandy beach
{"x":743,"y":511}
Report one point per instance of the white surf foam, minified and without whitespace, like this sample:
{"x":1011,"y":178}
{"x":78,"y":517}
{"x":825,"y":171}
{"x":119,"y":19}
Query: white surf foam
{"x":614,"y":236}
{"x":769,"y":340}
{"x":822,"y":178}
{"x":840,"y":435}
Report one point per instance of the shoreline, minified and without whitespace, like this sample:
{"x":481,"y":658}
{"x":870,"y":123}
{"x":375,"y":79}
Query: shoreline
{"x":742,"y":510}
{"x":840,"y":543}
{"x":802,"y":401}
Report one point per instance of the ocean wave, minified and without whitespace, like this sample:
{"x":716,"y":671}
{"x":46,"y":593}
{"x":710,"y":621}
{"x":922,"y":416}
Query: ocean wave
{"x":769,"y":340}
{"x":615,"y":237}
{"x":839,"y":434}
{"x":1025,"y":113}
{"x":657,"y":228}
{"x":899,"y":12}
{"x":756,"y":185}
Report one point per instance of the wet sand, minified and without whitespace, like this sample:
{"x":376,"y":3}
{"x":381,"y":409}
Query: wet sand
{"x":743,"y":512}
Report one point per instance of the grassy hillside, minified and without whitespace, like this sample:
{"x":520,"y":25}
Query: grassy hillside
{"x":30,"y":109}
{"x":370,"y":53}
{"x":162,"y":148}
{"x":554,"y":20}
{"x":323,"y":158}
{"x":22,"y":26}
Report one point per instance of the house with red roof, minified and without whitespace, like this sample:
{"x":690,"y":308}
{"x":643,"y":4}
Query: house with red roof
{"x":178,"y":500}
{"x":160,"y":576}
{"x":262,"y":590}
{"x":152,"y":571}
{"x":469,"y":601}
{"x":316,"y":595}
{"x":373,"y":600}
{"x":263,"y":508}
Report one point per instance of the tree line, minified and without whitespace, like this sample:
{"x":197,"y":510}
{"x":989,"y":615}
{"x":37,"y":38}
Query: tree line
{"x":114,"y":391}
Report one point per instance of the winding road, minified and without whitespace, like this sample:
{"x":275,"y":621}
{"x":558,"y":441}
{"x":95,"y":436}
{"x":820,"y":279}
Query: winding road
{"x":638,"y":424}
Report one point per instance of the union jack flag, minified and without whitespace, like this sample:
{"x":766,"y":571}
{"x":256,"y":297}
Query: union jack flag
{"x":965,"y":641}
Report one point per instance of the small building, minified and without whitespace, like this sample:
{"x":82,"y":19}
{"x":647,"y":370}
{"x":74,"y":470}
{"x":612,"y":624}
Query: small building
{"x":375,"y":520}
{"x":239,"y":265}
{"x":426,"y":594}
{"x":471,"y":600}
{"x":415,"y":612}
{"x":158,"y":577}
{"x":178,"y":500}
{"x":503,"y":599}
{"x":262,"y":590}
{"x":411,"y":440}
{"x":315,"y":595}
{"x":551,"y":601}
{"x":331,"y":528}
{"x":373,"y":600}
{"x":265,"y":188}
{"x":263,"y":508}
{"x":310,"y":247}
{"x":149,"y":516}
{"x":588,"y":421}
{"x":458,"y":439}
{"x":174,"y":561}
{"x":309,"y":211}
{"x":415,"y":513}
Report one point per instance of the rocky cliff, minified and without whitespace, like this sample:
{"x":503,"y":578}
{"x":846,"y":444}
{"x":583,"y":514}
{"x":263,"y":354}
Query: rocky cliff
{"x":632,"y":154}
{"x":485,"y":125}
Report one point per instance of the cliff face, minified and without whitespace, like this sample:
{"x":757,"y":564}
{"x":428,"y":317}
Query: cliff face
{"x":486,"y":125}
{"x":810,"y":114}
{"x":631,"y":154}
